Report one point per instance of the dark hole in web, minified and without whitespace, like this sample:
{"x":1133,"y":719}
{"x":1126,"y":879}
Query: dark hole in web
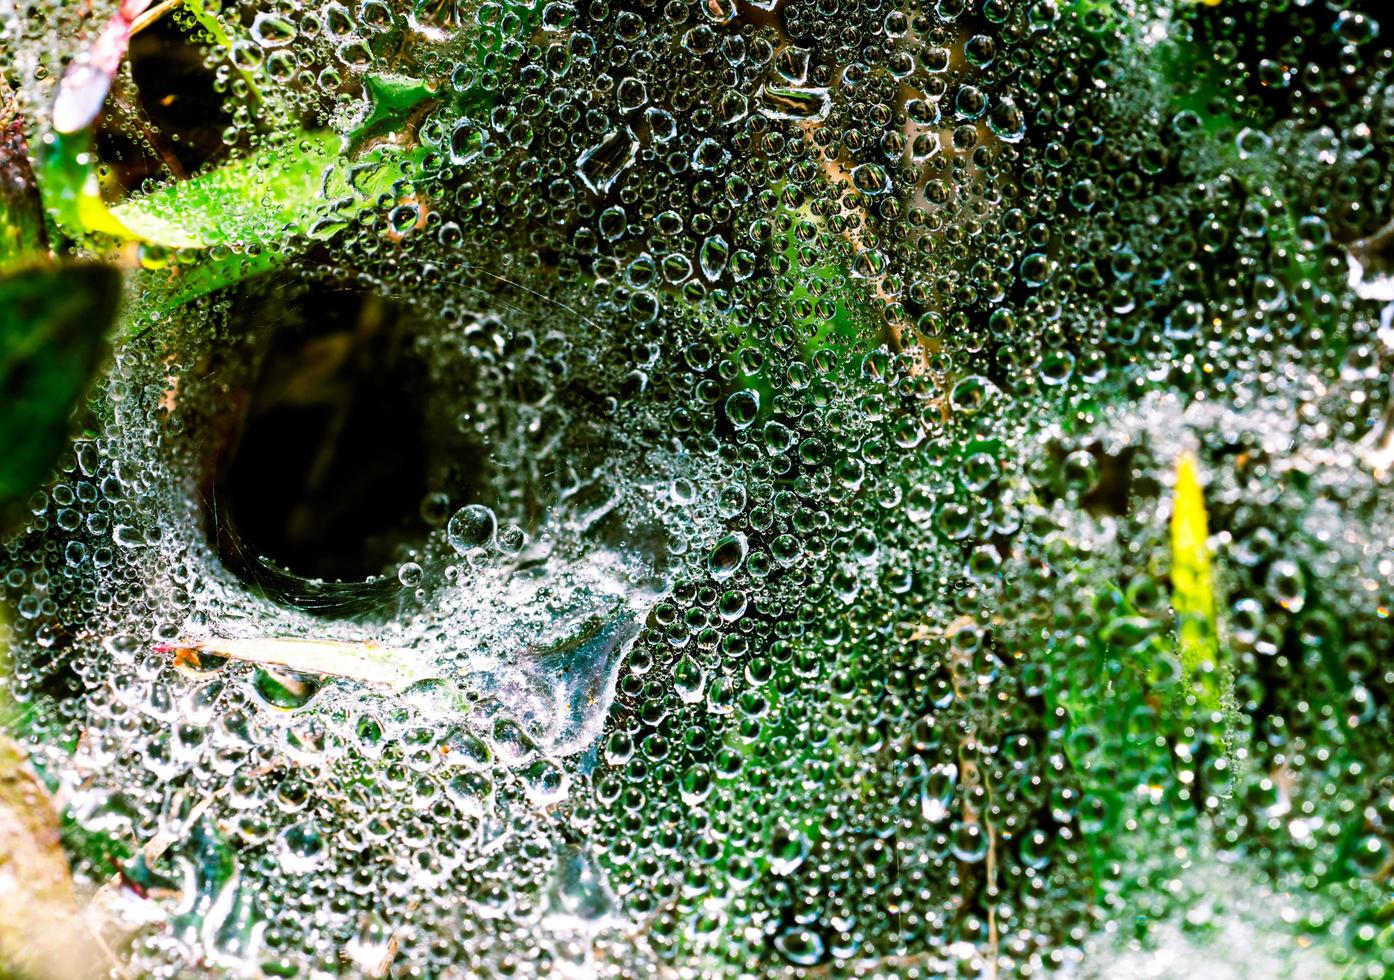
{"x":1110,"y":494}
{"x":1114,"y":485}
{"x":335,"y":455}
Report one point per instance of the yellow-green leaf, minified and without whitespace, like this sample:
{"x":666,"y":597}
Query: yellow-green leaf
{"x":1193,"y":580}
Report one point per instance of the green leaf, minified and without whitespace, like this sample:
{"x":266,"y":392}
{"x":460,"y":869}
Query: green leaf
{"x":164,"y":290}
{"x":249,"y":200}
{"x":51,"y":343}
{"x":253,"y":199}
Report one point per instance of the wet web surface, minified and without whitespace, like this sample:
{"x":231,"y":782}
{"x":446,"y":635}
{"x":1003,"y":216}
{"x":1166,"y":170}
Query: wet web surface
{"x":727,"y":488}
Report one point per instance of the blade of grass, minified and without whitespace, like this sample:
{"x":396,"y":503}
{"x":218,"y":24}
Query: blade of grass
{"x":312,"y":195}
{"x":1193,"y":583}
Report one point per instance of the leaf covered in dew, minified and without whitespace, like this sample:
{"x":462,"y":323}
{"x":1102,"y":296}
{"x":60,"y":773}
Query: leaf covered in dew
{"x":251,"y":216}
{"x":261,"y":198}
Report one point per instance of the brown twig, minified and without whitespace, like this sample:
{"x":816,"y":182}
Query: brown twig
{"x":153,"y":14}
{"x":364,"y":661}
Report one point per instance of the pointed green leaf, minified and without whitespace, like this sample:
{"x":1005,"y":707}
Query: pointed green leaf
{"x":241,"y":214}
